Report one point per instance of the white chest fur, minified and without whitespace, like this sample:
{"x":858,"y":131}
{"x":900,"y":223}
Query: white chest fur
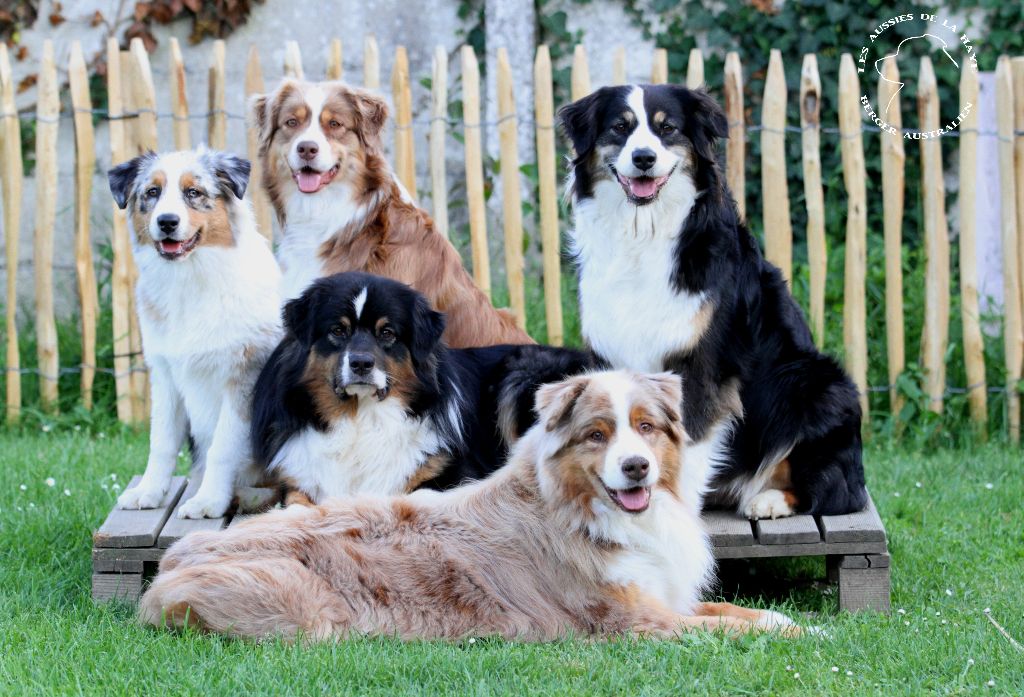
{"x":374,"y":452}
{"x":631,"y":315}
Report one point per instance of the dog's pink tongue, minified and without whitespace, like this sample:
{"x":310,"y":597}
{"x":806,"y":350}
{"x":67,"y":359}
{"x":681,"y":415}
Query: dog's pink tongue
{"x":171,"y":246}
{"x":643,"y":187}
{"x":634,"y":499}
{"x":309,"y":182}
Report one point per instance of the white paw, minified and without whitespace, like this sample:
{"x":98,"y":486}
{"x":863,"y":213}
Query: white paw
{"x":142,"y":496}
{"x":200,"y":506}
{"x":770,"y":503}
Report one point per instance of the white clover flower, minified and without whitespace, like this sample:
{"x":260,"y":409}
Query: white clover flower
{"x":46,"y":428}
{"x":51,"y":482}
{"x":849,"y":673}
{"x":835,"y":669}
{"x":23,"y":487}
{"x":917,"y":484}
{"x":991,"y":683}
{"x":989,"y":485}
{"x":67,"y":492}
{"x":901,"y":611}
{"x":949,"y":592}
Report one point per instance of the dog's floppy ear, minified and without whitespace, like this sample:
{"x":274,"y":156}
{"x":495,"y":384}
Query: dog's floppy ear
{"x":668,"y":389}
{"x":300,"y":313}
{"x":232,"y":171}
{"x":427,"y":328}
{"x":555,"y":401}
{"x":705,"y":121}
{"x":372,"y":111}
{"x":581,"y":122}
{"x":261,"y":118}
{"x":123,"y":177}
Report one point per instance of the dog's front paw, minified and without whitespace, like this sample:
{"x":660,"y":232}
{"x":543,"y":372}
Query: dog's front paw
{"x":200,"y":506}
{"x":770,"y":503}
{"x":142,"y":495}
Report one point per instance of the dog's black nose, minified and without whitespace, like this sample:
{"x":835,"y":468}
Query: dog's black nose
{"x":635,"y":467}
{"x":307,"y":149}
{"x":361,"y":363}
{"x":167,"y":222}
{"x":644,"y":158}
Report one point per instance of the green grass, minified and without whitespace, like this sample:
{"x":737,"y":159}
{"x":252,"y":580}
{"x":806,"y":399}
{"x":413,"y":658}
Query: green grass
{"x":957,"y":548}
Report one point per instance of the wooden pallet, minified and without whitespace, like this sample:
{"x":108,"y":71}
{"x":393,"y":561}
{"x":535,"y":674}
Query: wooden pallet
{"x":129,"y":544}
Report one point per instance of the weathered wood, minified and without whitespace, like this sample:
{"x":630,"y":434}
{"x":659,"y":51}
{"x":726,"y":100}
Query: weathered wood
{"x":778,"y":228}
{"x":48,"y":115}
{"x":814,"y":196}
{"x":579,"y":79}
{"x":11,"y":155}
{"x":475,"y":170}
{"x":176,"y":528}
{"x":1017,"y":69}
{"x":85,"y":162}
{"x":335,"y":65}
{"x":551,"y":243}
{"x":143,"y":98}
{"x":727,"y":529}
{"x":736,"y":144}
{"x":260,"y":201}
{"x":855,"y":273}
{"x":118,"y":566}
{"x":217,"y":123}
{"x":864,"y":589}
{"x":179,"y":98}
{"x":138,"y":528}
{"x":893,"y":162}
{"x":618,"y":66}
{"x":804,"y":549}
{"x":659,"y":67}
{"x":371,"y":63}
{"x":142,"y":554}
{"x":293,"y":61}
{"x":512,"y":201}
{"x":695,"y":69}
{"x":438,"y":136}
{"x":798,"y":529}
{"x":864,"y":526}
{"x":122,"y":587}
{"x":401,"y":91}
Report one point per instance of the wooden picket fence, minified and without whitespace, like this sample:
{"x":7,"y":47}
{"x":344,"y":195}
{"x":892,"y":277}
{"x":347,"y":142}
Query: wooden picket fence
{"x":132,"y":117}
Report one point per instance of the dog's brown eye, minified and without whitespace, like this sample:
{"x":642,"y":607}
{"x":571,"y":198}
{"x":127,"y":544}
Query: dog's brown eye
{"x":291,"y":123}
{"x":667,"y":129}
{"x":152,"y":192}
{"x":387,"y":334}
{"x":620,"y":127}
{"x":339,"y":331}
{"x":334,"y":124}
{"x":596,"y":436}
{"x":645,"y":427}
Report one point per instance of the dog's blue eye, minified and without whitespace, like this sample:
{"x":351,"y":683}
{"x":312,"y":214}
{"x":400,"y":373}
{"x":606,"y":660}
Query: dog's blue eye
{"x":193,"y":193}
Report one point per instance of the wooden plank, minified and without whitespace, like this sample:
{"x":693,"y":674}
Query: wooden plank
{"x":695,"y":69}
{"x":893,"y":163}
{"x":727,"y":529}
{"x":122,"y":587}
{"x":175,"y":528}
{"x":118,"y":566}
{"x":475,"y":170}
{"x":144,"y":98}
{"x":778,"y":229}
{"x":547,"y":191}
{"x":798,"y":529}
{"x":255,"y":190}
{"x":618,"y":65}
{"x":934,"y":337}
{"x":11,"y":155}
{"x":217,"y":123}
{"x":855,"y":273}
{"x":659,"y":67}
{"x":85,"y":163}
{"x":293,"y":61}
{"x":814,"y":196}
{"x":805,"y":549}
{"x":438,"y":136}
{"x":1017,"y":68}
{"x":512,"y":198}
{"x":48,"y":110}
{"x":864,"y":589}
{"x":401,"y":90}
{"x":970,"y":313}
{"x":1013,"y":335}
{"x":138,"y":528}
{"x":878,"y":561}
{"x":579,"y":79}
{"x":120,"y":278}
{"x":179,"y":98}
{"x":335,"y":66}
{"x":736,"y":144}
{"x":371,"y":63}
{"x":113,"y":554}
{"x":863,"y":526}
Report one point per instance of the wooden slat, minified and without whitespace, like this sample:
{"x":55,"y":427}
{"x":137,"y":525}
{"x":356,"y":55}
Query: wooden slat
{"x":934,"y":336}
{"x":217,"y":124}
{"x":255,"y":190}
{"x":1017,"y":68}
{"x":371,"y":63}
{"x":111,"y":554}
{"x":512,"y":200}
{"x":438,"y":136}
{"x":863,"y":526}
{"x":138,"y":528}
{"x":551,"y":244}
{"x":293,"y":61}
{"x":122,"y":587}
{"x":335,"y":66}
{"x":120,"y":277}
{"x":659,"y":67}
{"x":11,"y":156}
{"x":814,"y":196}
{"x":48,"y":110}
{"x":118,"y":566}
{"x":85,"y":163}
{"x":695,"y":69}
{"x":970,"y":316}
{"x":175,"y":528}
{"x":798,"y":529}
{"x":475,"y":170}
{"x":179,"y":98}
{"x":401,"y":90}
{"x":736,"y":144}
{"x":893,"y":162}
{"x":618,"y":66}
{"x":854,"y":310}
{"x":727,"y":529}
{"x":778,"y":229}
{"x":143,"y":97}
{"x":1013,"y":336}
{"x":579,"y":79}
{"x":799,"y":549}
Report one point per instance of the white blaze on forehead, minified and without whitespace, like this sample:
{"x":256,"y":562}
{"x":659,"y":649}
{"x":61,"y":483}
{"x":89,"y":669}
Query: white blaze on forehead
{"x":315,"y":97}
{"x":643,"y":137}
{"x":625,"y":442}
{"x":174,"y":166}
{"x":359,"y":301}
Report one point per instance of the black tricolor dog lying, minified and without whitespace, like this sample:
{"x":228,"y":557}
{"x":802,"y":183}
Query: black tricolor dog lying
{"x":671,"y":279}
{"x":363,"y":397}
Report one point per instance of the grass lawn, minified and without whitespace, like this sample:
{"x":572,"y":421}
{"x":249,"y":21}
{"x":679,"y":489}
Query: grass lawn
{"x":957,"y":541}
